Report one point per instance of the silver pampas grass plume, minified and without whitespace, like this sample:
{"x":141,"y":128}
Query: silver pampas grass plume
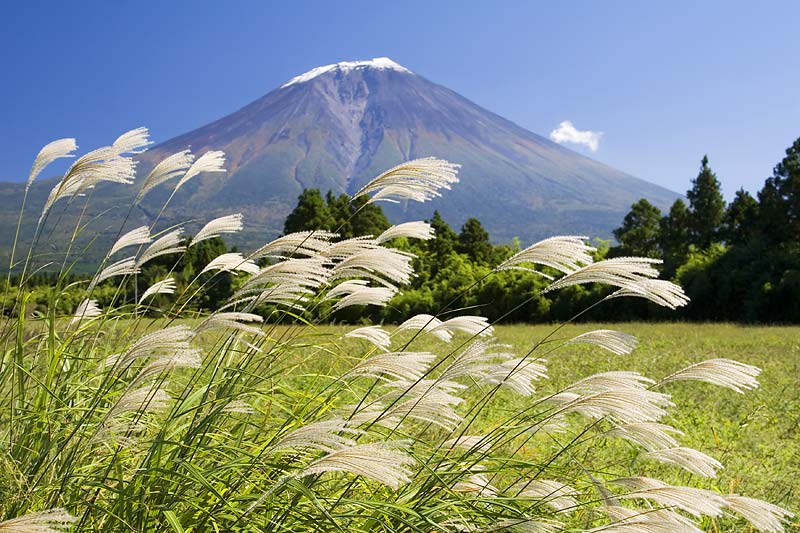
{"x":50,"y":521}
{"x":167,"y":169}
{"x":86,"y":310}
{"x":413,"y":230}
{"x":697,"y":502}
{"x":232,"y":320}
{"x":723,"y":372}
{"x":232,"y":262}
{"x":659,"y":291}
{"x":373,"y":334}
{"x":165,"y":286}
{"x":762,"y":515}
{"x":306,"y":243}
{"x":419,"y":180}
{"x":324,"y":436}
{"x":218,"y":226}
{"x":627,"y":520}
{"x":211,"y":161}
{"x":622,"y":272}
{"x":615,"y":342}
{"x":49,"y":153}
{"x":409,"y":366}
{"x":689,"y":459}
{"x":379,"y":461}
{"x":138,"y":236}
{"x":123,"y":267}
{"x":169,"y":243}
{"x":554,"y":494}
{"x":651,"y":436}
{"x":565,"y":254}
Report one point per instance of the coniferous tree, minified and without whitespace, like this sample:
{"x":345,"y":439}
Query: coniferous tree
{"x":674,"y":240}
{"x":706,"y":207}
{"x":310,"y":213}
{"x":640,"y":231}
{"x":474,"y":241}
{"x":779,"y":200}
{"x":741,"y":218}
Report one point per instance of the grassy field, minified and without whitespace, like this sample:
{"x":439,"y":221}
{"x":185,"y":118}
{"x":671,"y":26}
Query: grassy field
{"x":756,"y":435}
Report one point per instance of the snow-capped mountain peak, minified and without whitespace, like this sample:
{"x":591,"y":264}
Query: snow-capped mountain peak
{"x":379,"y":63}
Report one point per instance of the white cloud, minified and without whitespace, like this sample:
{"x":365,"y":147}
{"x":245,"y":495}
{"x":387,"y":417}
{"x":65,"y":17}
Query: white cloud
{"x":567,"y":133}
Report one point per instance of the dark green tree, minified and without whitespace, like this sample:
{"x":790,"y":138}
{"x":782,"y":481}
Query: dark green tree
{"x":474,"y":241}
{"x":706,"y":207}
{"x":640,"y":231}
{"x":741,"y":219}
{"x":310,"y":213}
{"x":779,"y":200}
{"x":674,"y":241}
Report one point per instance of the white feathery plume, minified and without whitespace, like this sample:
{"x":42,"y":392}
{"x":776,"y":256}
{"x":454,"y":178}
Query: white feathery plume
{"x":211,"y":161}
{"x":478,"y":360}
{"x":611,"y":380}
{"x":555,"y":494}
{"x":232,"y":320}
{"x":471,"y":325}
{"x":517,"y":374}
{"x":622,"y":272}
{"x":362,"y":295}
{"x":690,"y":459}
{"x":167,"y":169}
{"x":165,"y":286}
{"x":163,"y":342}
{"x":102,"y":164}
{"x":762,"y":515}
{"x":123,"y":267}
{"x":384,"y":265}
{"x":479,"y":443}
{"x":723,"y":372}
{"x":311,"y":272}
{"x":426,"y":400}
{"x":143,"y":399}
{"x":645,"y":521}
{"x":409,"y":366}
{"x":476,"y":485}
{"x":419,"y":180}
{"x":625,"y":405}
{"x":565,"y":254}
{"x":339,"y":251}
{"x":426,"y":323}
{"x":169,"y":243}
{"x":179,"y":359}
{"x":413,"y":230}
{"x":86,"y":310}
{"x":373,"y":334}
{"x":218,"y":226}
{"x":307,"y":243}
{"x":659,"y":291}
{"x":140,"y":235}
{"x":615,"y":342}
{"x":55,"y":520}
{"x":232,"y":262}
{"x":697,"y":502}
{"x":49,"y":153}
{"x":325,"y":436}
{"x":651,"y":436}
{"x":379,"y":461}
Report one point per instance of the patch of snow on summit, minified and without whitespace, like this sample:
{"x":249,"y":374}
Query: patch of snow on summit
{"x":380,"y":63}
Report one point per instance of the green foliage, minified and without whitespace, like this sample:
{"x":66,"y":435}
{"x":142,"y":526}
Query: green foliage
{"x":707,"y":207}
{"x":741,"y":219}
{"x":639,"y":233}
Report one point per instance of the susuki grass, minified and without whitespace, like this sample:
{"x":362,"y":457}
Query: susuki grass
{"x":120,"y":422}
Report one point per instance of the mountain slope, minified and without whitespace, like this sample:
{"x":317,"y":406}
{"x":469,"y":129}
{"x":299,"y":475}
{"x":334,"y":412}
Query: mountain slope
{"x":337,"y":126}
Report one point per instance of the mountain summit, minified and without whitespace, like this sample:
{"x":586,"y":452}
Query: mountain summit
{"x":337,"y":126}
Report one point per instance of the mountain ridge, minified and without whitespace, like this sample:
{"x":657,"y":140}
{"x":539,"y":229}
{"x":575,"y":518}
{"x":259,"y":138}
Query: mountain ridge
{"x":337,"y":126}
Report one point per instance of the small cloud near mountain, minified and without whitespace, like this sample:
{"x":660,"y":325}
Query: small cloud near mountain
{"x":566,"y":132}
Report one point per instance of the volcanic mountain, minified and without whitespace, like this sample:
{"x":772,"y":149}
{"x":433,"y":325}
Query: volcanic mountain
{"x":337,"y":126}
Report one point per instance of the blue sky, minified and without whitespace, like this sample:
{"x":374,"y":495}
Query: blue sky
{"x":664,"y":82}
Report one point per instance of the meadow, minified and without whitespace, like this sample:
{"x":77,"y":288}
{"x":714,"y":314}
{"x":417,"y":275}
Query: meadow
{"x":153,"y":413}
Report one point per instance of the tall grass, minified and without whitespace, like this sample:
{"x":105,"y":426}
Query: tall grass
{"x":116,"y":421}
